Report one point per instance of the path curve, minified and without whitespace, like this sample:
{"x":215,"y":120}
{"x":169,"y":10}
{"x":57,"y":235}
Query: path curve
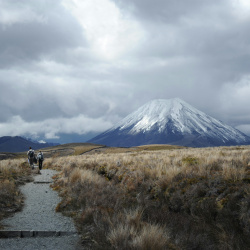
{"x":38,"y":215}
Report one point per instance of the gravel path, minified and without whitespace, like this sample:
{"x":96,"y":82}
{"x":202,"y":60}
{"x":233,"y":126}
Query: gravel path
{"x":39,"y":214}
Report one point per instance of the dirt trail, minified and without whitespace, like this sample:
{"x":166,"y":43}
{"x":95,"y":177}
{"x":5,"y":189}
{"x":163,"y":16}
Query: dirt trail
{"x":38,"y":226}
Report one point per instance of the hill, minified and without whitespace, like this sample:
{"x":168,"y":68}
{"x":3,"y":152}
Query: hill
{"x":68,"y":149}
{"x":13,"y":144}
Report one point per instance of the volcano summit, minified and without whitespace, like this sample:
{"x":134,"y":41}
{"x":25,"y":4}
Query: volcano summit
{"x":173,"y":122}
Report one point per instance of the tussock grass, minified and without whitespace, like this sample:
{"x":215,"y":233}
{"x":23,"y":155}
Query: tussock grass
{"x":130,"y":232}
{"x":187,"y":198}
{"x":12,"y":174}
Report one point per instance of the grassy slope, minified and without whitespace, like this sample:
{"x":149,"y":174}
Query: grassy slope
{"x":82,"y":148}
{"x":143,"y":198}
{"x":55,"y":151}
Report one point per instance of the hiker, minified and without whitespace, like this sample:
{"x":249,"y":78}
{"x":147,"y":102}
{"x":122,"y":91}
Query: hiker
{"x":40,"y":159}
{"x":31,"y":156}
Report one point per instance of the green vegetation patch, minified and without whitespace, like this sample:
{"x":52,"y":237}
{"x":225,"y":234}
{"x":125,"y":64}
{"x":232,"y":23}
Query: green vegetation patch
{"x":190,"y":161}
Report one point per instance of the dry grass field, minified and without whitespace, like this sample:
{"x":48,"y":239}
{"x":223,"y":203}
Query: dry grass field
{"x":170,"y":198}
{"x":70,"y":149}
{"x":83,"y":148}
{"x":148,"y":197}
{"x":12,"y":174}
{"x":56,"y":151}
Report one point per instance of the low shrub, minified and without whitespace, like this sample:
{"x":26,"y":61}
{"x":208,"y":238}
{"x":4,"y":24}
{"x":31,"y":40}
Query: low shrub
{"x":12,"y":174}
{"x":167,"y":199}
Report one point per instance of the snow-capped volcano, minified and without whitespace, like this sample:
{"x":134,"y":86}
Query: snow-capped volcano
{"x":170,"y":121}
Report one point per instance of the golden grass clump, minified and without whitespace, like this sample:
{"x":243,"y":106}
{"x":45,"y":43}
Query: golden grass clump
{"x":131,"y":232}
{"x":14,"y":169}
{"x":147,"y":237}
{"x":12,"y":174}
{"x":151,"y":237}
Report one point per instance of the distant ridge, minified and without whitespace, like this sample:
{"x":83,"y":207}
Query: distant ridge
{"x":14,"y":144}
{"x":173,"y":122}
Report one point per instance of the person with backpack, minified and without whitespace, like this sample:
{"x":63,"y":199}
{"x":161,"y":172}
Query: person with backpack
{"x":40,"y":159}
{"x":31,"y":156}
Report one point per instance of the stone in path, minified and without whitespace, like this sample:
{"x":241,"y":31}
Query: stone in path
{"x":39,"y":215}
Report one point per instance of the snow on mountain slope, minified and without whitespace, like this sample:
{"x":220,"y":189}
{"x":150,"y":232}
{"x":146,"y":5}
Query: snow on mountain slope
{"x":172,"y":121}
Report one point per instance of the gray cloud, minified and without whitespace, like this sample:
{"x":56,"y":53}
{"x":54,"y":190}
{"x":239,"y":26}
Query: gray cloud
{"x":78,"y":67}
{"x":200,"y":48}
{"x":165,"y":11}
{"x":32,"y":30}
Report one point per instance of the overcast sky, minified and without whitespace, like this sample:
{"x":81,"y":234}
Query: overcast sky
{"x":79,"y":66}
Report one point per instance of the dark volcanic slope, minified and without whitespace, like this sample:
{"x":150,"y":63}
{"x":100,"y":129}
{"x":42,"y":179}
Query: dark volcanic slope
{"x":18,"y":144}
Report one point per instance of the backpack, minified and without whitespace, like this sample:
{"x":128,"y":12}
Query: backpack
{"x":31,"y":154}
{"x":40,"y":156}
